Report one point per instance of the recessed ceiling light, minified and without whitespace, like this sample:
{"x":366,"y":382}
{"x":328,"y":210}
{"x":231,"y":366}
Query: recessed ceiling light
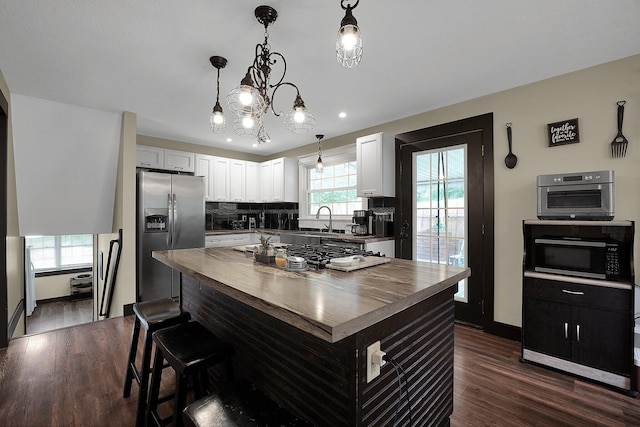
{"x":254,"y":145}
{"x":342,"y":115}
{"x":229,"y":140}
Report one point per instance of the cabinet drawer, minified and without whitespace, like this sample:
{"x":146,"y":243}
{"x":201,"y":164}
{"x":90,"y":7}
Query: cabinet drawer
{"x":600,"y":297}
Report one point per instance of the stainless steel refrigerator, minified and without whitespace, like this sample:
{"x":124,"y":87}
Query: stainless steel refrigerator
{"x":170,"y":216}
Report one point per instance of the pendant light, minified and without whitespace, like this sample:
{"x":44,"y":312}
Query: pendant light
{"x":349,"y":42}
{"x":217,"y":116}
{"x":319,"y":165}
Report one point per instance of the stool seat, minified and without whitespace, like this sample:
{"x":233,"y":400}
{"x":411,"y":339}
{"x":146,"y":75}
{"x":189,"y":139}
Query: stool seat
{"x":190,"y":345}
{"x":240,"y":405}
{"x":153,"y":313}
{"x":151,"y":316}
{"x":188,"y":348}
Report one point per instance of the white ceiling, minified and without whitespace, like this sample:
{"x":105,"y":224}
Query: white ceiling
{"x":151,"y":57}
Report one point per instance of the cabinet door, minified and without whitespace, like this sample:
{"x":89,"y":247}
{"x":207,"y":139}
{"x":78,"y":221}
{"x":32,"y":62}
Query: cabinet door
{"x":179,"y":161}
{"x":547,"y":327}
{"x":220,"y":177}
{"x":277,"y":167}
{"x":252,"y":188}
{"x":266,"y":182}
{"x":369,"y":165}
{"x":149,"y":157}
{"x":237,"y":180}
{"x":601,"y":340}
{"x":204,"y":165}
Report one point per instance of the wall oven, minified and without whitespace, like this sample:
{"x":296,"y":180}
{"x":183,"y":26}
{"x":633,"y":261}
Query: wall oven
{"x":594,"y":259}
{"x":582,"y":195}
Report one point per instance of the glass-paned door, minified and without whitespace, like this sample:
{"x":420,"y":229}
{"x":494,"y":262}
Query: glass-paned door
{"x":440,"y":214}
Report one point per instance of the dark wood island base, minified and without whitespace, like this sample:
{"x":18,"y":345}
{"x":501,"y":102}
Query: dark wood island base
{"x":323,"y":380}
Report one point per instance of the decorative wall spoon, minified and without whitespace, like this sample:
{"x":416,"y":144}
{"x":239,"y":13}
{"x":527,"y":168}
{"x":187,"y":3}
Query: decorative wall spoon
{"x":511,"y":159}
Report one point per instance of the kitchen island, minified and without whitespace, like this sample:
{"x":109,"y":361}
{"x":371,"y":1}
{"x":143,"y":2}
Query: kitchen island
{"x":303,"y":337}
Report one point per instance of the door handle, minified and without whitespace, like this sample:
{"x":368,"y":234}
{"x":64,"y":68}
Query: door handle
{"x":175,"y":219}
{"x":566,"y":330}
{"x":170,"y":221}
{"x":578,"y":332}
{"x":572,"y":292}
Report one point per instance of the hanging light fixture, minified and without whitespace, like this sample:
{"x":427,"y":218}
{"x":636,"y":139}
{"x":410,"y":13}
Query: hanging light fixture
{"x":217,"y":116}
{"x":349,"y":42}
{"x":251,"y":99}
{"x":319,"y":165}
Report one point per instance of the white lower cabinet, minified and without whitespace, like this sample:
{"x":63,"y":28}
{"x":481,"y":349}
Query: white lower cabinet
{"x":220,"y":240}
{"x":237,"y":239}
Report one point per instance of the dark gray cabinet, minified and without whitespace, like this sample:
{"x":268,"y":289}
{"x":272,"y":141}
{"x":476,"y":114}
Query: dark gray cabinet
{"x":585,"y":324}
{"x":582,"y":326}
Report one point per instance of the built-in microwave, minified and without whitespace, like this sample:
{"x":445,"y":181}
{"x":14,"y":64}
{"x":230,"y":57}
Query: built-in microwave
{"x":581,"y":195}
{"x":592,"y":259}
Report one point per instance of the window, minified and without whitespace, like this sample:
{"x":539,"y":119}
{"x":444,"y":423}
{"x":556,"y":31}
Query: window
{"x":51,"y":253}
{"x":335,"y":187}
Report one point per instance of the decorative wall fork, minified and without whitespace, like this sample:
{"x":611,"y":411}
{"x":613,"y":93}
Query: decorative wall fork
{"x":619,"y":143}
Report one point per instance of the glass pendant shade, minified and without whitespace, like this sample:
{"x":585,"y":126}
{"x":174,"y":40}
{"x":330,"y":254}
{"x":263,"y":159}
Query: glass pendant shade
{"x":299,"y":119}
{"x":349,"y":46}
{"x":246,"y":97}
{"x":247,"y":126}
{"x":349,"y":41}
{"x":217,"y":119}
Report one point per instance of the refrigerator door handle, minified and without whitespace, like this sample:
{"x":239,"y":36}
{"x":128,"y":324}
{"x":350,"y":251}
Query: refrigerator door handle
{"x":170,"y":221}
{"x":174,"y":223}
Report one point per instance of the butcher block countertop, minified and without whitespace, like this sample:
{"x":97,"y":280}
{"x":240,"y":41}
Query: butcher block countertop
{"x":329,"y":304}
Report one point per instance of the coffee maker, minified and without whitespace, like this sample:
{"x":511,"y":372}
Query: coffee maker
{"x":362,"y":223}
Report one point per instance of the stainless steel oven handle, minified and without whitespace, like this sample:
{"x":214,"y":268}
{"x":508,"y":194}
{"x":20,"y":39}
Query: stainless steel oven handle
{"x":566,"y":291}
{"x":571,"y":242}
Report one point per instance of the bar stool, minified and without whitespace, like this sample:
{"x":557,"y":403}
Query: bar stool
{"x":152,"y":316}
{"x":189,"y":349}
{"x":241,"y":405}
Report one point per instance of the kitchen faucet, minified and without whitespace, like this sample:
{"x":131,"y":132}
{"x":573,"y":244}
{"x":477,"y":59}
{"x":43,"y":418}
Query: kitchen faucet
{"x":330,"y":218}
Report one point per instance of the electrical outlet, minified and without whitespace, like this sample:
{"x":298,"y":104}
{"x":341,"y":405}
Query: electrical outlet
{"x":373,"y":370}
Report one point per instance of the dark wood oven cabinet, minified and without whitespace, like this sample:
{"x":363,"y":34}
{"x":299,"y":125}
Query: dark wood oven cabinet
{"x":580,"y":326}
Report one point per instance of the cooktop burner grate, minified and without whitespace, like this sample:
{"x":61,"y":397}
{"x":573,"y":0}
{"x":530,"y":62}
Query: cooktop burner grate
{"x":318,"y":256}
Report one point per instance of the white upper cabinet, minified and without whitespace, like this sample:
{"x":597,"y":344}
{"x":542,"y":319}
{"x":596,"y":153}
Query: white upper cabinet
{"x":204,"y":164}
{"x":220,"y":175}
{"x":179,"y":161}
{"x":159,"y":158}
{"x":376,"y":165}
{"x":252,"y":179}
{"x":266,"y":181}
{"x":237,"y":178}
{"x":149,"y":157}
{"x":285,"y":180}
{"x":279,"y":180}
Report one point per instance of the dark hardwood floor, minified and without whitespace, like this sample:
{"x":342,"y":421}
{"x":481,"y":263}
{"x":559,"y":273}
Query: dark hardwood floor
{"x":73,"y":377}
{"x":48,"y":316}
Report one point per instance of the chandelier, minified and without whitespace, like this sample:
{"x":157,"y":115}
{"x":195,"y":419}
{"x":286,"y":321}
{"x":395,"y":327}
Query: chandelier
{"x":251,"y":99}
{"x":349,"y":41}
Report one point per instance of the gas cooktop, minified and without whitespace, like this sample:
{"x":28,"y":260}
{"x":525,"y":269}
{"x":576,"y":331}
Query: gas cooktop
{"x":318,"y":256}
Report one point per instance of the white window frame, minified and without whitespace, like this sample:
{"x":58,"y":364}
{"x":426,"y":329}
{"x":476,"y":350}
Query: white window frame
{"x":343,"y":154}
{"x":58,"y":256}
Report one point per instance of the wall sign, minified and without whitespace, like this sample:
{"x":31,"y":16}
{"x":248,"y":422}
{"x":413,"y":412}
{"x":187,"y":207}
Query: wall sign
{"x":564,"y":132}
